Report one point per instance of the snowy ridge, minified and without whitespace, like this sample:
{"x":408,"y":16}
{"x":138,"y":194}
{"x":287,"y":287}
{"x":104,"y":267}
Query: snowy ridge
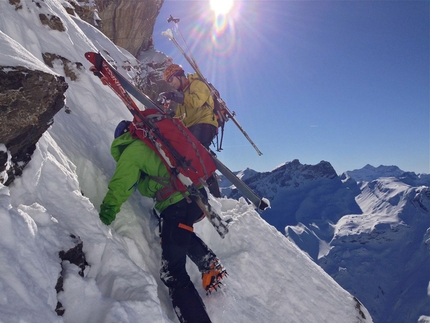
{"x":55,"y":202}
{"x":369,"y":173}
{"x":290,"y":174}
{"x":387,"y":248}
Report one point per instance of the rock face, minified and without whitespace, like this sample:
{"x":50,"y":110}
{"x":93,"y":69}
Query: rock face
{"x":129,"y":23}
{"x":29,"y":101}
{"x":86,"y":10}
{"x":30,"y":98}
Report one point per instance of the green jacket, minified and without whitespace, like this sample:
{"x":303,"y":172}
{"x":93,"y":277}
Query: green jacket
{"x":198,"y":104}
{"x":135,"y":160}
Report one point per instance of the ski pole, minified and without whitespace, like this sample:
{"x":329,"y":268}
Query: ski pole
{"x":190,"y":59}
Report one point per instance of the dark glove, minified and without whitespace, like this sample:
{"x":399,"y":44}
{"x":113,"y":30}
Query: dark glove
{"x":173,"y":95}
{"x":107,"y":214}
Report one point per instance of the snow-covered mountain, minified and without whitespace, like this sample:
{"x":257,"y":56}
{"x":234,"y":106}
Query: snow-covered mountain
{"x":368,"y":228}
{"x":305,"y":194}
{"x":383,"y":254}
{"x":369,"y":173}
{"x":52,"y":208}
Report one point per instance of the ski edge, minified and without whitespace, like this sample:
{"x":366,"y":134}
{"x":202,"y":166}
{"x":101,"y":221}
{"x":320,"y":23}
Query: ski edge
{"x":260,"y":203}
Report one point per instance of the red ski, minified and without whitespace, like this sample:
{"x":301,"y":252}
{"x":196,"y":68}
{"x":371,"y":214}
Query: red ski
{"x":189,"y":163}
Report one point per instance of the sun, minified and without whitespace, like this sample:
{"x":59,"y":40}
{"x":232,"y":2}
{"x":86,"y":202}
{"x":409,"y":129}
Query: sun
{"x":221,"y":7}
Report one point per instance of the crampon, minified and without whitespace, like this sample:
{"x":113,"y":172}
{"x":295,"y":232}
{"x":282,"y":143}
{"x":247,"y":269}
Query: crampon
{"x":211,"y":279}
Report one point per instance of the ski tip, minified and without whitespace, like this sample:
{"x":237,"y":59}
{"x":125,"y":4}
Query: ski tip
{"x":168,"y":33}
{"x":264,"y":204}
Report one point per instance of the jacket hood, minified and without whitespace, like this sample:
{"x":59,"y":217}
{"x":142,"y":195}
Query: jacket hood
{"x":193,"y":76}
{"x":119,"y":144}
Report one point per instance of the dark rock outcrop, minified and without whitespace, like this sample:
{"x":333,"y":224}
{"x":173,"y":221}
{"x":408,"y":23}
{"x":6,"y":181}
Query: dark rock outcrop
{"x":28,"y":102}
{"x":75,"y":256}
{"x":129,"y":23}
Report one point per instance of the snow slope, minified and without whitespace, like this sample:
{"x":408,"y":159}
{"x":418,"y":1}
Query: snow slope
{"x":54,"y":205}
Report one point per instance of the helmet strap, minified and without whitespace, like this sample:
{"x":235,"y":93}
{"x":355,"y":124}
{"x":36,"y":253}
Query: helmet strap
{"x":183,"y":86}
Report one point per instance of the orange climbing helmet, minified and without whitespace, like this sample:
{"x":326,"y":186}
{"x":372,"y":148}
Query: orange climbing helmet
{"x":171,"y":70}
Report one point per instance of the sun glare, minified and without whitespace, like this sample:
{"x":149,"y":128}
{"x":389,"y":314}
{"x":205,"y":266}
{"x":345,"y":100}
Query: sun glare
{"x":221,"y":7}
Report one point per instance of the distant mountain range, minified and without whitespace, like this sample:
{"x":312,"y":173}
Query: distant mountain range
{"x":369,"y":173}
{"x":368,"y":228}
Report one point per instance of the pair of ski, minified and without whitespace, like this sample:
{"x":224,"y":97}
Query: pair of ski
{"x":123,"y":88}
{"x":229,"y":115}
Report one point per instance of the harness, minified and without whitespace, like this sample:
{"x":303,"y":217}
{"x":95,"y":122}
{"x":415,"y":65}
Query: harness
{"x":168,"y":188}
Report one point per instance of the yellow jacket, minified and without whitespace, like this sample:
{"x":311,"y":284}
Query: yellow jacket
{"x":198,"y":104}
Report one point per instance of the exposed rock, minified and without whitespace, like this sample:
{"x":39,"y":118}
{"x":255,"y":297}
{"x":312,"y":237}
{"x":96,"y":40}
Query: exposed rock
{"x":4,"y":163}
{"x":52,"y":22}
{"x":85,"y":10}
{"x":28,"y":102}
{"x":70,"y":69}
{"x":152,"y":66}
{"x":16,"y":3}
{"x":75,"y":256}
{"x":129,"y":23}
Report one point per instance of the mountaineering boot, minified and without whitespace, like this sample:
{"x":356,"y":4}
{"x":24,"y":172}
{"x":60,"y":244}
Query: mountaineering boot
{"x":211,"y":279}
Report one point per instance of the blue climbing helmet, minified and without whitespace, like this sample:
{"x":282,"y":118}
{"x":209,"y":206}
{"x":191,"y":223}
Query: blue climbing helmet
{"x":122,"y":128}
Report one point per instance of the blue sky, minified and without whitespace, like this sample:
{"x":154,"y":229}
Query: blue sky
{"x":342,"y":81}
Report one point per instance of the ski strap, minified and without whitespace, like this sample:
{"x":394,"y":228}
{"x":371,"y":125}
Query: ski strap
{"x":168,"y":188}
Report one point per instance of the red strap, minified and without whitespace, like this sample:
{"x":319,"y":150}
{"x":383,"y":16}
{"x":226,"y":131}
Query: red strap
{"x":164,"y":193}
{"x":186,"y":227}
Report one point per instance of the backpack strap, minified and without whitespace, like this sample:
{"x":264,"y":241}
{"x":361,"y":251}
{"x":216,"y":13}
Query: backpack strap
{"x":168,"y":189}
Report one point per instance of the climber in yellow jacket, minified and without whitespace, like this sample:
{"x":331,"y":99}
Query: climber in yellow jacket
{"x":195,"y":108}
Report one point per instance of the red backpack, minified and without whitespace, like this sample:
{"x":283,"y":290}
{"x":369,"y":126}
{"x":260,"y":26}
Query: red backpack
{"x":186,"y":159}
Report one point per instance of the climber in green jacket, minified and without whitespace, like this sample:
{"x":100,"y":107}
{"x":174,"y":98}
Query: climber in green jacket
{"x":134,"y":161}
{"x":139,"y":167}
